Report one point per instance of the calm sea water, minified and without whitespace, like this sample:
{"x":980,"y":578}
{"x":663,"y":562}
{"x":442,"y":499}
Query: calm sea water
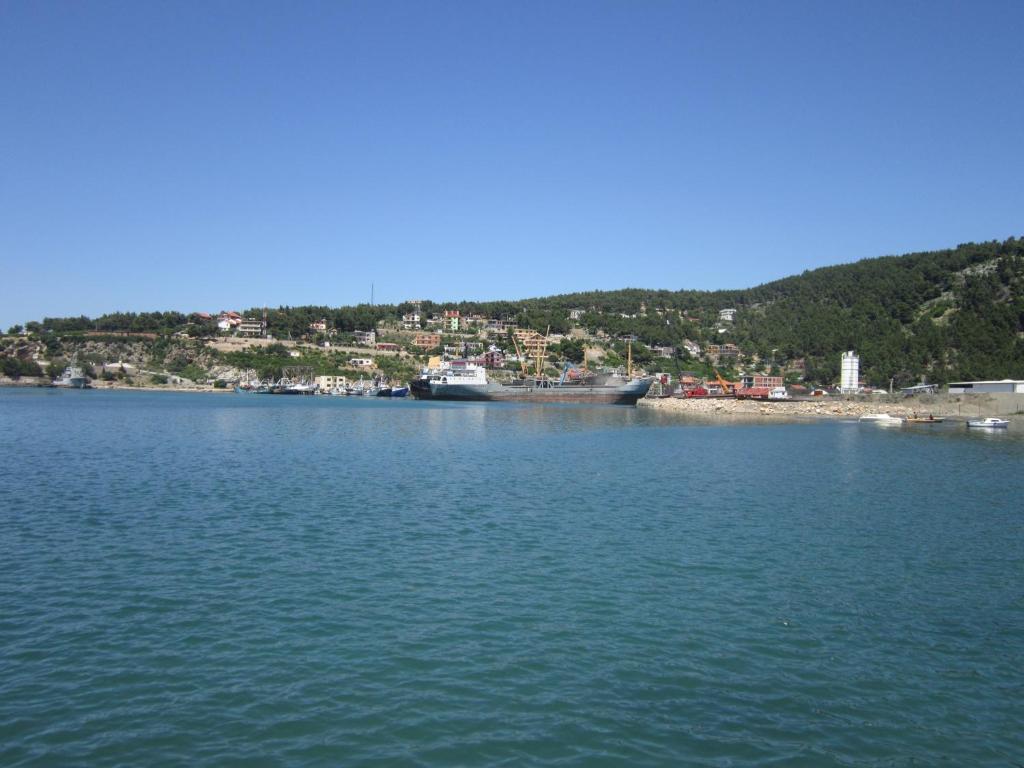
{"x":246,"y":580}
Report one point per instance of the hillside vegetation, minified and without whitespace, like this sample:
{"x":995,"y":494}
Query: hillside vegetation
{"x":941,"y":315}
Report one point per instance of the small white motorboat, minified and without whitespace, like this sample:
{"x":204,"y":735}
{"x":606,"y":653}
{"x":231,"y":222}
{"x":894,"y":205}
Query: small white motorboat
{"x":881,"y":418}
{"x":990,"y":423}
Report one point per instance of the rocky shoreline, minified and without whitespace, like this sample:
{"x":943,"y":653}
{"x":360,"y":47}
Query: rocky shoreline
{"x":946,"y":406}
{"x":26,"y":382}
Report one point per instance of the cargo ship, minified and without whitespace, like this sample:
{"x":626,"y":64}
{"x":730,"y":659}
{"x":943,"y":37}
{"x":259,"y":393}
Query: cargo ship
{"x":462,"y":380}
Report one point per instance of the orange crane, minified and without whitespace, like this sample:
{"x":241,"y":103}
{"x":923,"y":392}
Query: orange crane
{"x":519,"y":354}
{"x":541,"y":350}
{"x":728,"y":388}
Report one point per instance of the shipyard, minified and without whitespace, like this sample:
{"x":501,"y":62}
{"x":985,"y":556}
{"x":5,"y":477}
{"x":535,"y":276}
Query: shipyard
{"x":423,"y":351}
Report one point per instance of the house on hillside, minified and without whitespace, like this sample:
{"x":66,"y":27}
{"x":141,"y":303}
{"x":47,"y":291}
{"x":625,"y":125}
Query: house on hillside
{"x":252,"y":326}
{"x":427,"y":340}
{"x":227,"y":321}
{"x":718,"y":352}
{"x":496,"y":325}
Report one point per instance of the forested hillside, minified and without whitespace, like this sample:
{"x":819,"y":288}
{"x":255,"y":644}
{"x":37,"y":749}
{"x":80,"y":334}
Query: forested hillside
{"x":941,"y":315}
{"x":945,"y":315}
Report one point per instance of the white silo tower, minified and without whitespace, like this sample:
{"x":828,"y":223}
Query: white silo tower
{"x":850,"y":373}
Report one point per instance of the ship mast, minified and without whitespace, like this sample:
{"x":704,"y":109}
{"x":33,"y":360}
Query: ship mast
{"x":629,"y":359}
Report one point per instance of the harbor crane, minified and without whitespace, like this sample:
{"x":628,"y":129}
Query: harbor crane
{"x":728,"y":388}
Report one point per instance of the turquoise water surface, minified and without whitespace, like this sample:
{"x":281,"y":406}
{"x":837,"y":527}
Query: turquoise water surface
{"x":254,"y":580}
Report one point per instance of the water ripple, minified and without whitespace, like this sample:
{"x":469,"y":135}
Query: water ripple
{"x":247,"y":580}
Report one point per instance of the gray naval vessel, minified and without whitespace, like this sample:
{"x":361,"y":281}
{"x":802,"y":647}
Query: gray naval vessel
{"x":462,"y":380}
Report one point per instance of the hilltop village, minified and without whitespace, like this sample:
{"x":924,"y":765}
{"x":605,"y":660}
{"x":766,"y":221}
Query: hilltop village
{"x":495,"y":343}
{"x":220,"y":350}
{"x":935,"y":317}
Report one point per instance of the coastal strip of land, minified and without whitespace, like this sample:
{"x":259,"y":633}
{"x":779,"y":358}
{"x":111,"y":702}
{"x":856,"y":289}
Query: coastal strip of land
{"x":940,"y":406}
{"x":44,"y":382}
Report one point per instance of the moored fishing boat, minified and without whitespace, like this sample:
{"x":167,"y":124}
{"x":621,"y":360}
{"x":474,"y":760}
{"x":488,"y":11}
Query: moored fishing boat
{"x":387,"y":390}
{"x":359,"y":389}
{"x":251,"y":384}
{"x":288,"y":387}
{"x":73,"y":378}
{"x":990,"y":423}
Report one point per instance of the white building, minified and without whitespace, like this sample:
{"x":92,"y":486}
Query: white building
{"x":327,"y":383}
{"x":251,"y":327}
{"x":849,"y":374}
{"x":366,"y":338}
{"x":1008,"y":386}
{"x":726,"y":315}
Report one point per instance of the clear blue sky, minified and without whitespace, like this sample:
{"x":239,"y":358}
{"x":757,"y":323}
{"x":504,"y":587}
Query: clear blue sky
{"x":213,"y":155}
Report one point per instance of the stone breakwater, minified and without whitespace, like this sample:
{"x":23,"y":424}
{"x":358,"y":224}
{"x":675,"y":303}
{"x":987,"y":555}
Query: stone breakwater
{"x":829,"y":407}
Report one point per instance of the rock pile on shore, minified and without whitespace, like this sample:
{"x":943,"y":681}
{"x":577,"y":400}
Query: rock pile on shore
{"x":826,"y":407}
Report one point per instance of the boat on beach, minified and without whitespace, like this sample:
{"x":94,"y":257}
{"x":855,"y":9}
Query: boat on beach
{"x":925,"y":419}
{"x":990,"y":423}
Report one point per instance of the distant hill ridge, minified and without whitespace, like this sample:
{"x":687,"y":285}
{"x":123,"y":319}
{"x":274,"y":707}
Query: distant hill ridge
{"x":941,"y":315}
